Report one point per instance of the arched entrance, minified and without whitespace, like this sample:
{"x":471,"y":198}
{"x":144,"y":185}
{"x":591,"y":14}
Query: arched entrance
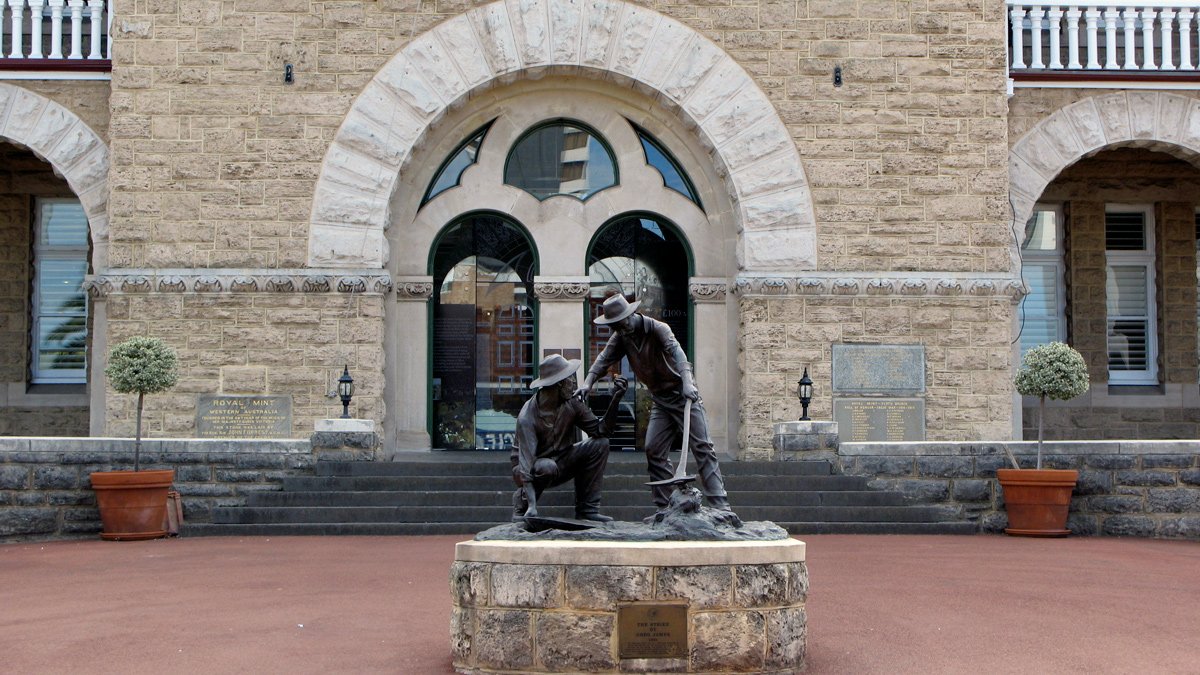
{"x":484,"y":331}
{"x":644,"y":257}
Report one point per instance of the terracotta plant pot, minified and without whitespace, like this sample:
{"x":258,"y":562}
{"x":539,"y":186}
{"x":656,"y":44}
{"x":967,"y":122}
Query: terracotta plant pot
{"x":1037,"y":500}
{"x":133,"y":504}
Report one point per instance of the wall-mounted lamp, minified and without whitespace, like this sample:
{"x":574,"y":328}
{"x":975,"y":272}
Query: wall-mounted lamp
{"x":345,"y":389}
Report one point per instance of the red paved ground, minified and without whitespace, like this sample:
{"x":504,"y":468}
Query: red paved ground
{"x":904,"y":604}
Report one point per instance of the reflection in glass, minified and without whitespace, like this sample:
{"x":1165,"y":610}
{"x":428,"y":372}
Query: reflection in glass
{"x":483,"y":336}
{"x":662,"y":160}
{"x":645,"y":259}
{"x":451,"y":172}
{"x":560,"y":159}
{"x":1041,"y":232}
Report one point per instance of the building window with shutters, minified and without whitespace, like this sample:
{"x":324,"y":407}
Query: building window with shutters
{"x":59,"y":305}
{"x":1043,"y":317}
{"x":1130,"y":294}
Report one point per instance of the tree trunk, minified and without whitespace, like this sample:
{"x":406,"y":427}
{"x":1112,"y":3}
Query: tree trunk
{"x":1041,"y":424}
{"x":137,"y":444}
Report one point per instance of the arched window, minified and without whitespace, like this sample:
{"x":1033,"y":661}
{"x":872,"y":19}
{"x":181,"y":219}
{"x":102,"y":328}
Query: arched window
{"x":561,"y":157}
{"x":452,"y":169}
{"x":673,"y":175}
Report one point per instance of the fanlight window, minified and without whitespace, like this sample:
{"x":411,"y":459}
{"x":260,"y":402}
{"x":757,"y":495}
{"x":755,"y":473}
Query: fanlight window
{"x":665,"y":163}
{"x":450,"y":174}
{"x":561,"y":158}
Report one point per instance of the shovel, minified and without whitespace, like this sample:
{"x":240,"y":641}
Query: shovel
{"x":536,"y":523}
{"x":681,"y":477}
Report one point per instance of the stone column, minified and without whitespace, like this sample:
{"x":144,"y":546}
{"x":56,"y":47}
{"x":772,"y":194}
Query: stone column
{"x":1176,"y":282}
{"x":409,"y":370}
{"x":712,"y":341}
{"x":1086,"y":277}
{"x":561,"y":315}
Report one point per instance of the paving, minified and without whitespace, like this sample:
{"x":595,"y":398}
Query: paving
{"x":878,"y":604}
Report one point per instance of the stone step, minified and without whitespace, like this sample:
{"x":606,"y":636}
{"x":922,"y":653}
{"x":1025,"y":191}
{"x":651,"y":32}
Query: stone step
{"x":498,"y":514}
{"x":562,"y":496}
{"x":623,"y":464}
{"x":470,"y":529}
{"x":733,"y":483}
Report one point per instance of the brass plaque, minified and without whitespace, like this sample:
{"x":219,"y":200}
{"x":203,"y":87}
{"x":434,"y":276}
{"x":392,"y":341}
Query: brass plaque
{"x":879,"y":420}
{"x":652,"y":631}
{"x":244,"y":416}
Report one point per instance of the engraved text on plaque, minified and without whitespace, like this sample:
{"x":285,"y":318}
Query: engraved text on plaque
{"x":244,"y":416}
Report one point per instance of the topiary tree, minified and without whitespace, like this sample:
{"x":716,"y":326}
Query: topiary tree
{"x":1055,"y":370}
{"x":142,"y":365}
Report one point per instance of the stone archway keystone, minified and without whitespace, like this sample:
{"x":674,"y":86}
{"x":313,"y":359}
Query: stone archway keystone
{"x":504,"y":41}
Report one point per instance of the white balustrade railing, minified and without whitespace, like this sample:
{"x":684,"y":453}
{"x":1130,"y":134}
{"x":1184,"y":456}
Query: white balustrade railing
{"x":70,"y":30}
{"x":1104,"y":36}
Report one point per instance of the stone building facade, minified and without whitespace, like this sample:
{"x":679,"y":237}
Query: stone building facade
{"x":283,"y":189}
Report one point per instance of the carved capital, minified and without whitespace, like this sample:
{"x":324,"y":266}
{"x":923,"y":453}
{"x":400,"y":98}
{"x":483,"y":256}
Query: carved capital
{"x":414,"y":288}
{"x":708,"y":290}
{"x":98,"y":287}
{"x":572,"y":289}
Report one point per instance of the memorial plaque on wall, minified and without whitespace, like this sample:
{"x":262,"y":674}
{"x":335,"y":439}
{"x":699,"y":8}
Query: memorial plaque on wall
{"x":244,"y":416}
{"x":652,"y":631}
{"x":896,"y":370}
{"x":877,"y":420}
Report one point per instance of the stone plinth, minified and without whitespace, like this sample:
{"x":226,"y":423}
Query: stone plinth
{"x":553,"y":606}
{"x":345,"y":439}
{"x":811,"y":439}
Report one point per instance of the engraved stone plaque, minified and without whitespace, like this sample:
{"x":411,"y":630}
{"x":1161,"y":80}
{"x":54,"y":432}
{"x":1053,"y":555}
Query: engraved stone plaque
{"x":870,"y":420}
{"x":244,"y":416}
{"x":898,"y":370}
{"x":652,"y":631}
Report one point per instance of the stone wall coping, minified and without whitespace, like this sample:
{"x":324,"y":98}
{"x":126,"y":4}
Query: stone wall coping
{"x":49,"y":445}
{"x":807,"y":427}
{"x":918,"y":448}
{"x":642,"y":553}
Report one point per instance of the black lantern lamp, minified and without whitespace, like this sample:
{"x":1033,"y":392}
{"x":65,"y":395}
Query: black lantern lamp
{"x":345,"y":389}
{"x":804,"y":391}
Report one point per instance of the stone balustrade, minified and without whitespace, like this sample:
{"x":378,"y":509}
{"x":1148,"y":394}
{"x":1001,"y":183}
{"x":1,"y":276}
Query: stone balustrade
{"x":1104,"y":36}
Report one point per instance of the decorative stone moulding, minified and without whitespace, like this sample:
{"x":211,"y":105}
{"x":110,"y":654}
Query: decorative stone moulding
{"x":253,"y":281}
{"x":879,"y":286}
{"x":502,"y":42}
{"x":414,"y":288}
{"x":705,"y":290}
{"x":561,"y":288}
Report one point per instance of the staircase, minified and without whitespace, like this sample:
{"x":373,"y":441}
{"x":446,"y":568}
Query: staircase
{"x":465,"y":493}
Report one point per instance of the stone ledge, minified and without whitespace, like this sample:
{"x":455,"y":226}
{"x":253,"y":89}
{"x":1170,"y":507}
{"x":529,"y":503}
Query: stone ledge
{"x":665,"y":553}
{"x":981,"y":448}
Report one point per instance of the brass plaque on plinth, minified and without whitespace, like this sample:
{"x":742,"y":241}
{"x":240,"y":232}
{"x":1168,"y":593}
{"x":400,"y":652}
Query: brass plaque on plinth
{"x":652,"y":631}
{"x":244,"y":416}
{"x":879,"y":420}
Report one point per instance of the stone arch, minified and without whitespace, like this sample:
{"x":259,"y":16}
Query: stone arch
{"x":69,"y":145}
{"x":1159,"y":121}
{"x":610,"y":39}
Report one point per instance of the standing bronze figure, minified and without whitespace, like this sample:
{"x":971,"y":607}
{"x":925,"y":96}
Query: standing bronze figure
{"x":546,"y":453}
{"x":660,"y":363}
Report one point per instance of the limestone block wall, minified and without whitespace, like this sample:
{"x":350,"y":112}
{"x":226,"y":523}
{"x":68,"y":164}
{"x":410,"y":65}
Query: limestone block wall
{"x":965,"y":333}
{"x":287,"y":335}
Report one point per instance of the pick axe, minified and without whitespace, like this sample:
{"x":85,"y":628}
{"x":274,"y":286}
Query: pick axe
{"x":681,"y":477}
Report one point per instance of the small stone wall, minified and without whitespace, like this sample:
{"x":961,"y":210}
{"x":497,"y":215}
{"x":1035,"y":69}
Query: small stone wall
{"x":1125,"y":488}
{"x":45,"y":488}
{"x":552,"y":606}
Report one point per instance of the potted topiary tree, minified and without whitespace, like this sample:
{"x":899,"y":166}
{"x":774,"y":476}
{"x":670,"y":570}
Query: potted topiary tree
{"x":1037,"y":500}
{"x":133,"y":504}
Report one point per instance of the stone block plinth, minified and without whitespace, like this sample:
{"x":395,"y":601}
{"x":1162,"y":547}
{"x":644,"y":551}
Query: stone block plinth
{"x":558,"y":606}
{"x":810,"y":439}
{"x":345,"y":440}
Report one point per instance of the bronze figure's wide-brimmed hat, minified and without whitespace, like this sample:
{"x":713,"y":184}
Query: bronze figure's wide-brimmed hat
{"x":615,"y":309}
{"x":554,"y":369}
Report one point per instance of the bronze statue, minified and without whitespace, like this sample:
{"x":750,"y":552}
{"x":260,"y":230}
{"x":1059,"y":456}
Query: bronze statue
{"x":546,"y":453}
{"x":660,"y":363}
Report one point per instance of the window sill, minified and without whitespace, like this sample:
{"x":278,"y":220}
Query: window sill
{"x":1136,"y":390}
{"x":56,"y":389}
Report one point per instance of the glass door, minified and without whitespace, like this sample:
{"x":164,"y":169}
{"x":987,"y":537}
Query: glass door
{"x":483,"y":333}
{"x":644,"y":258}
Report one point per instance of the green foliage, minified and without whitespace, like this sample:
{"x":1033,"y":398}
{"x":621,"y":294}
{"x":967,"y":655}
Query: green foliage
{"x":1054,"y":370}
{"x":142,"y":365}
